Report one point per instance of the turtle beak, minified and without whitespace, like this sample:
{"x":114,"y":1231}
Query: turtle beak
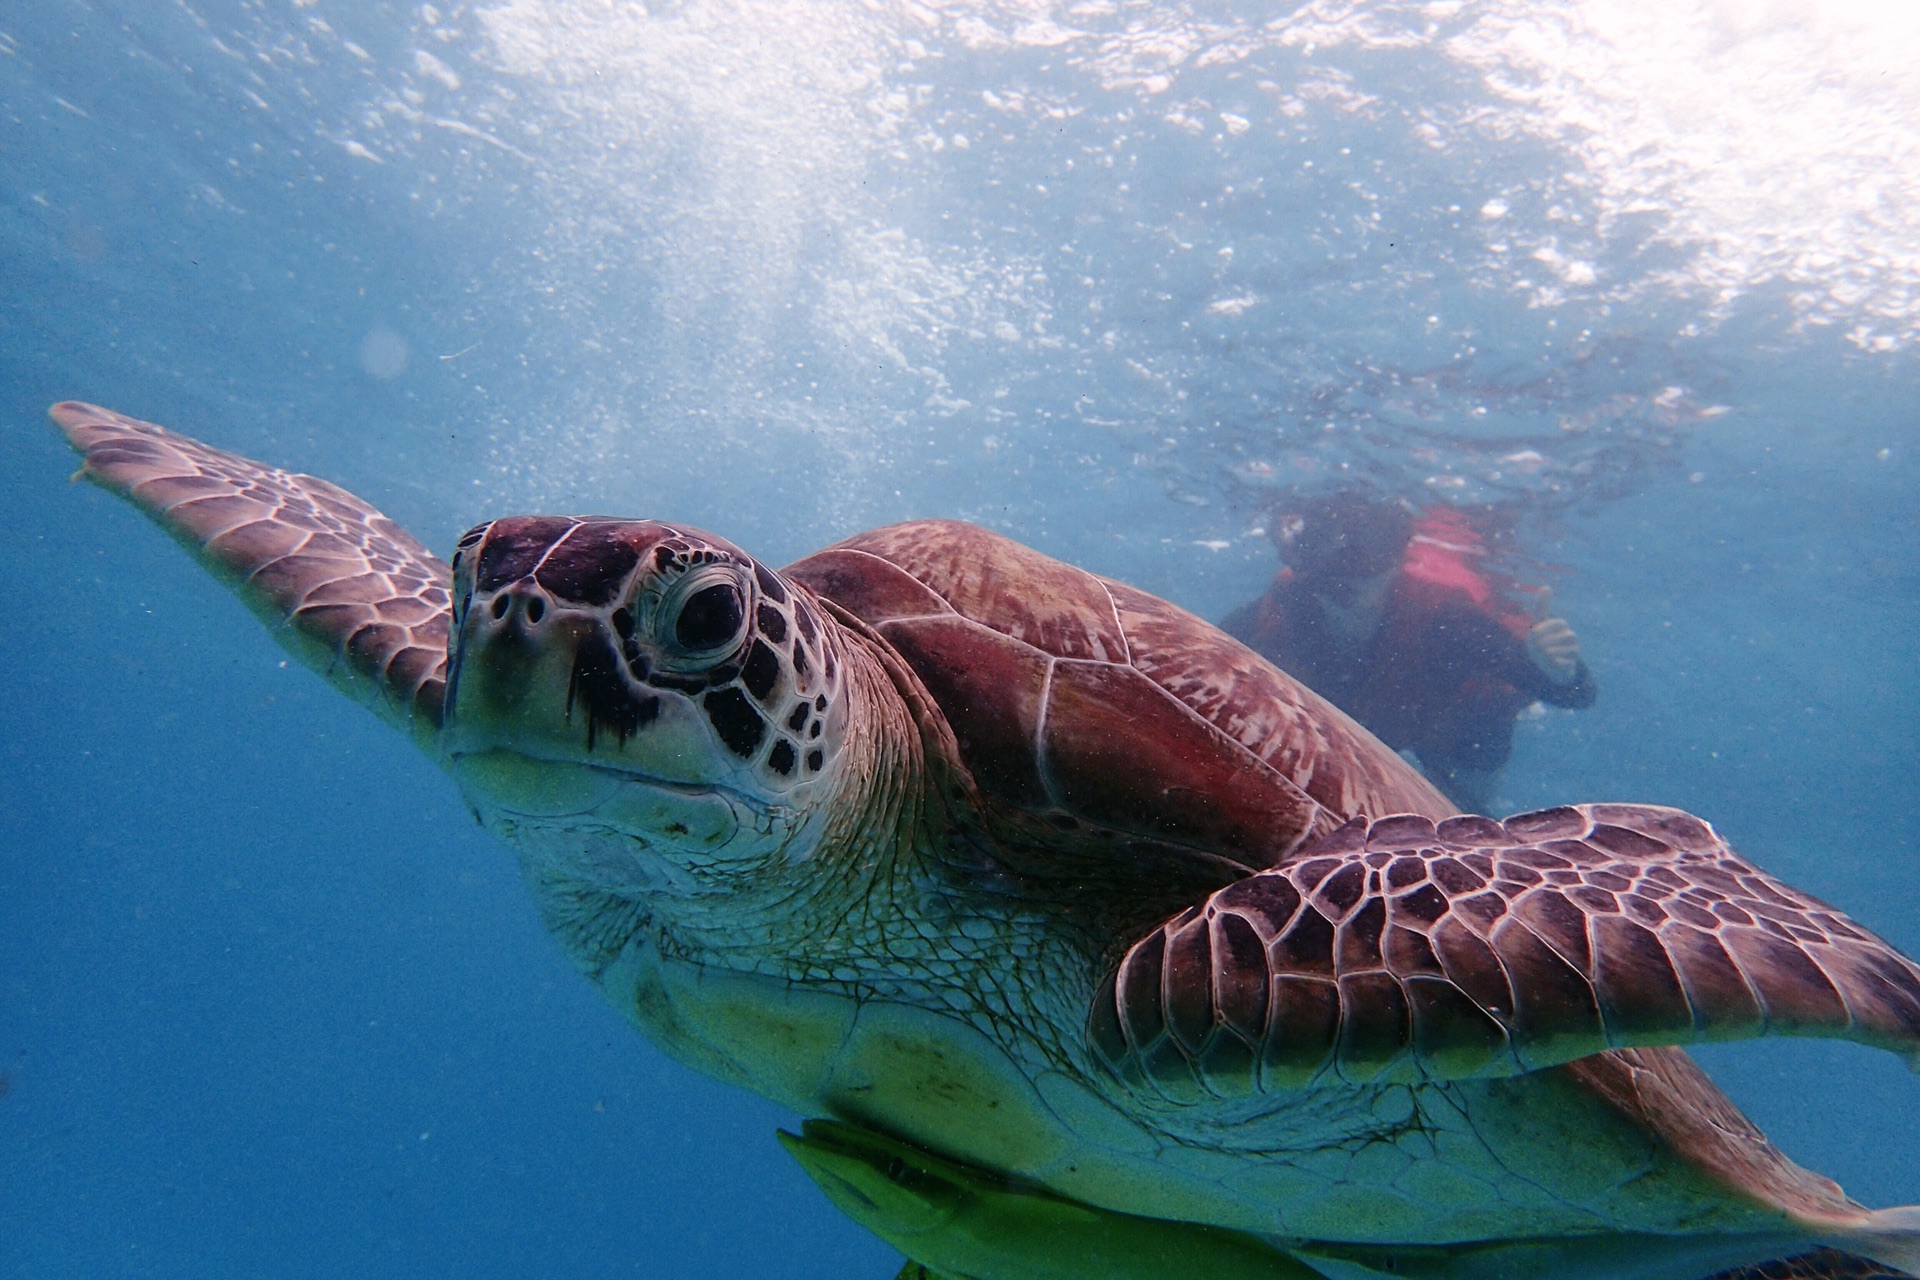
{"x":541,"y":677}
{"x":515,"y":655}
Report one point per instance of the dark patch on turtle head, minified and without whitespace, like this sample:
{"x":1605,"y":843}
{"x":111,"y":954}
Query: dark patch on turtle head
{"x":599,"y":691}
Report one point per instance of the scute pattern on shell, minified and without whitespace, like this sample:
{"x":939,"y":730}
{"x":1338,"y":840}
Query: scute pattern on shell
{"x":1402,"y":949}
{"x":341,"y":574}
{"x":1087,"y":700}
{"x":1280,"y":722}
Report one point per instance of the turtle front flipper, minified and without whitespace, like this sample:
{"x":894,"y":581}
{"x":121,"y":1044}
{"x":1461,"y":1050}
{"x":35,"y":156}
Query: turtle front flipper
{"x":1402,"y":950}
{"x":345,"y":589}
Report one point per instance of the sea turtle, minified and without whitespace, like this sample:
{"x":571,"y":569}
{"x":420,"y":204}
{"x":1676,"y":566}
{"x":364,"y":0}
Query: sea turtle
{"x":937,"y":836}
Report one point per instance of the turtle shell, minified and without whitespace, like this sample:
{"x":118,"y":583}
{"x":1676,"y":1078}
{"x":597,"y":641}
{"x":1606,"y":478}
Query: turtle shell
{"x":1084,"y":699}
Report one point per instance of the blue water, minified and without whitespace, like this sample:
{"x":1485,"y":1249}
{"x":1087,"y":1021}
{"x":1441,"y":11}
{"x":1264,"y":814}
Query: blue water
{"x":1107,"y":276}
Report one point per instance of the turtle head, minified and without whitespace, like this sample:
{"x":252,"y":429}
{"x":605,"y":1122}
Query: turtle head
{"x":637,"y":703}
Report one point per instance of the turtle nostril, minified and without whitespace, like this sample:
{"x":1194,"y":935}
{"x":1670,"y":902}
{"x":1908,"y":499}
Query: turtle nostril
{"x":499,"y":609}
{"x":536,"y":609}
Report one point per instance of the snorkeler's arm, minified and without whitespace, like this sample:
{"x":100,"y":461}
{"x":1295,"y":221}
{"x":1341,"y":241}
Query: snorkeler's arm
{"x":1562,"y":678}
{"x":1470,"y":643}
{"x":1554,"y":653}
{"x":1575,"y":695}
{"x":1554,"y":650}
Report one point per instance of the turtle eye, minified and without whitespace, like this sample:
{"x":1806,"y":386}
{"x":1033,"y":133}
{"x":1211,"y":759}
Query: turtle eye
{"x":710,"y":619}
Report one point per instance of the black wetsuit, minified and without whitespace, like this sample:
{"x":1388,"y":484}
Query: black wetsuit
{"x":1439,"y":676}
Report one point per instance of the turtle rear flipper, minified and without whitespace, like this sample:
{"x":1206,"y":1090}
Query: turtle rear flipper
{"x":1821,"y":1264}
{"x":1475,"y":949}
{"x":342,"y":587}
{"x":972,"y":1224}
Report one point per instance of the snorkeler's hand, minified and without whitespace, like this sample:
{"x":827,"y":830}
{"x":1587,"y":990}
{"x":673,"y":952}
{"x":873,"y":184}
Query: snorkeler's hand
{"x":1554,"y":649}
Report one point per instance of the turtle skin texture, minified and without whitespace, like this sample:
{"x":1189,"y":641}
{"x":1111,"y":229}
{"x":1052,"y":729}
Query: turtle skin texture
{"x":1195,"y":928}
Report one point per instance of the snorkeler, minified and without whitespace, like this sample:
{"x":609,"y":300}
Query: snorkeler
{"x":1386,"y":617}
